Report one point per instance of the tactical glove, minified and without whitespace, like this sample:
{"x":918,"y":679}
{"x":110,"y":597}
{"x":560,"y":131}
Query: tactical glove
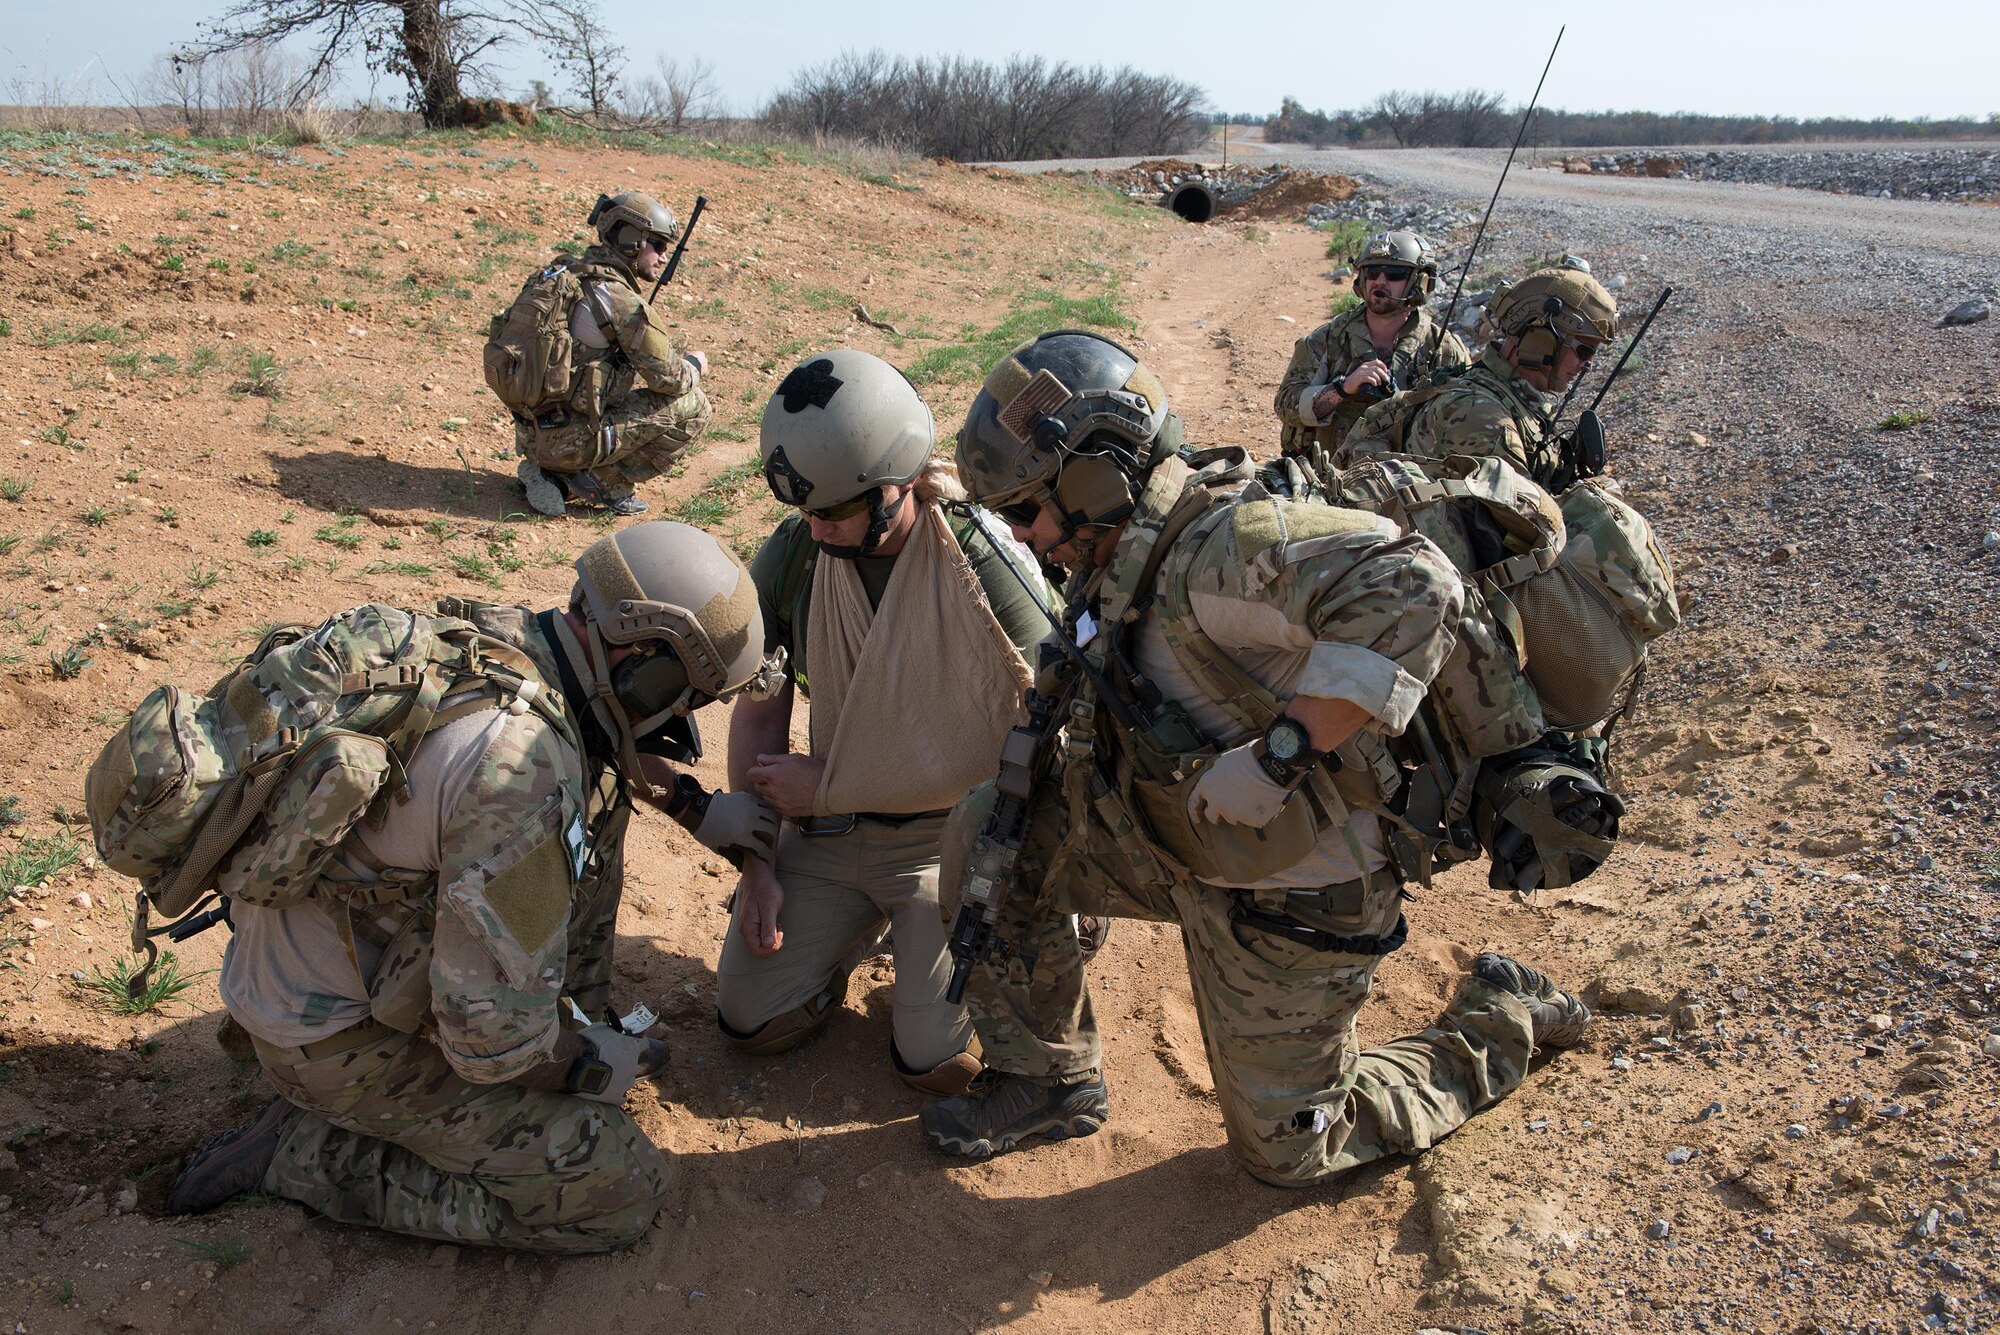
{"x":612,"y":1062}
{"x":733,"y":823}
{"x":1237,"y":790}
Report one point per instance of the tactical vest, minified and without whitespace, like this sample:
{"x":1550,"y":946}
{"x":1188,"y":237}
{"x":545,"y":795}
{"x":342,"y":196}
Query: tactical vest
{"x":1410,"y":362}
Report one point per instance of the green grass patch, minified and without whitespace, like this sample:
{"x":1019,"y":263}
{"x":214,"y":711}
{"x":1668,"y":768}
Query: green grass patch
{"x":112,"y":988}
{"x":1345,"y":236}
{"x":225,"y":1254}
{"x":1904,"y":420}
{"x":68,"y":664}
{"x":409,"y":568}
{"x":56,"y":336}
{"x":262,"y":376}
{"x":38,"y":857}
{"x":14,"y":488}
{"x":262,"y":537}
{"x":1342,"y":302}
{"x":1035,"y":311}
{"x":343,"y":534}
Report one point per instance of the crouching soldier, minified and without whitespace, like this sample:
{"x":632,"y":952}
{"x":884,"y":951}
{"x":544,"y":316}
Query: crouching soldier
{"x":911,"y":631}
{"x":1242,"y":657}
{"x":602,"y":398}
{"x":416,"y":820}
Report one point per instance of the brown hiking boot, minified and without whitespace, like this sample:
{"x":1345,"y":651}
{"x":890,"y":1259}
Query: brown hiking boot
{"x":1559,"y":1017}
{"x":1001,"y":1110}
{"x":231,"y":1164}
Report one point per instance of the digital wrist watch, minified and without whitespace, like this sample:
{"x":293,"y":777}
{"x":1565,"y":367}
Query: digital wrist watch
{"x":589,"y":1074}
{"x":1287,"y":754}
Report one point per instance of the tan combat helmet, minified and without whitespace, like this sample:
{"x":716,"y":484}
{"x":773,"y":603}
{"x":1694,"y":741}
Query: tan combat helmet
{"x":1552,"y":309}
{"x":843,"y":425}
{"x":688,"y":608}
{"x":624,"y":221}
{"x":1070,"y":419}
{"x":1399,"y":247}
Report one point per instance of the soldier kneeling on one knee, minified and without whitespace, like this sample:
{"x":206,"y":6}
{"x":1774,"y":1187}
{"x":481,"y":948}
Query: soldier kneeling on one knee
{"x":425,"y":906}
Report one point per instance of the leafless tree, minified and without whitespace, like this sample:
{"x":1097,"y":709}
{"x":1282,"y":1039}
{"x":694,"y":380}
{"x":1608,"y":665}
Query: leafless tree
{"x":434,"y":44}
{"x":1472,"y":118}
{"x":574,"y":35}
{"x":183,"y":82}
{"x":680,"y":93}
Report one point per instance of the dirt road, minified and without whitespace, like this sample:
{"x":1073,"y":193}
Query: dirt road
{"x":1794,"y":949}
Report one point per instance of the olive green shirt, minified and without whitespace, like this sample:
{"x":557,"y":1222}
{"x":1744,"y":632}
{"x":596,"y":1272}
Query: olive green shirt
{"x":783,"y":573}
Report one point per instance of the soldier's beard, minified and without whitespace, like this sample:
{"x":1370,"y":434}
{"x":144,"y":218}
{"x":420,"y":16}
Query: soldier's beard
{"x":1381,"y":303}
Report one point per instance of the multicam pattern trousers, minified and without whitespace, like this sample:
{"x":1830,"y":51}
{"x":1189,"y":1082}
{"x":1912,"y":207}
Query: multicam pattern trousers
{"x":648,"y":433}
{"x":1300,"y":1103}
{"x":393,"y":1138}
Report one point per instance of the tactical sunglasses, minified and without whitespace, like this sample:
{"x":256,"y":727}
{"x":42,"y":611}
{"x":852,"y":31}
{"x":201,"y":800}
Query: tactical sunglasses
{"x":1395,"y":273}
{"x":659,"y":243}
{"x":1020,"y":514}
{"x":1585,"y":351}
{"x":833,"y":514}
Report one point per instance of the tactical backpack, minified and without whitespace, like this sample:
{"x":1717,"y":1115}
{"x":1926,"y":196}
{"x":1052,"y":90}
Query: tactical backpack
{"x":530,"y":358}
{"x":279,"y":761}
{"x":1588,"y":619}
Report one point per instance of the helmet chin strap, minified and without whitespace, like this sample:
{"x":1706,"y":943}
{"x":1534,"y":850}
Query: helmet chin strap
{"x":879,"y":518}
{"x":604,"y":703}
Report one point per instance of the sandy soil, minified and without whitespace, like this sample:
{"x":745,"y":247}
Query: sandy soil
{"x":1742,"y":942}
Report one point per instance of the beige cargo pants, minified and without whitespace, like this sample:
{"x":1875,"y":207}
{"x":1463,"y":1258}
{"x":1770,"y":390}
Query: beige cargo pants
{"x":840,"y":891}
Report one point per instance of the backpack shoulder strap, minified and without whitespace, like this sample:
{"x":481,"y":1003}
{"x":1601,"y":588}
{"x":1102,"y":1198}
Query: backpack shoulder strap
{"x":801,"y":554}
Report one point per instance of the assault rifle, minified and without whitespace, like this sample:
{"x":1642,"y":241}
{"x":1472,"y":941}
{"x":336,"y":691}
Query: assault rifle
{"x":992,"y":866}
{"x":674,"y":261}
{"x":1444,"y":325}
{"x":1582,"y":447}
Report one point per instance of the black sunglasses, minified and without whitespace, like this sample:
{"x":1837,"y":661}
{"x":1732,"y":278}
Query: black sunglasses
{"x":1395,"y":273}
{"x":833,"y":514}
{"x":1020,"y":514}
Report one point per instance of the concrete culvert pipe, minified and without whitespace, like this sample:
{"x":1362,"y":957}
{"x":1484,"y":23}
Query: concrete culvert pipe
{"x":1191,"y":200}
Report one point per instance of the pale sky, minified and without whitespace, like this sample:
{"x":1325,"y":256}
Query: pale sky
{"x":1832,"y":58}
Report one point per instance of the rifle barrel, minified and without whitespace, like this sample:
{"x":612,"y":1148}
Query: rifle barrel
{"x":674,"y":261}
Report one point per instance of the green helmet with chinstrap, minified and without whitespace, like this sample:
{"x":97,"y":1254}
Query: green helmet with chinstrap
{"x":841,"y":424}
{"x":1069,"y":418}
{"x":624,"y":221}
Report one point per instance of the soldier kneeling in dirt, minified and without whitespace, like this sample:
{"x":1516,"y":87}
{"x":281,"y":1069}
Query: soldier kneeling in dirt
{"x":1237,"y":666}
{"x":915,"y":634}
{"x":417,"y":822}
{"x":602,"y":398}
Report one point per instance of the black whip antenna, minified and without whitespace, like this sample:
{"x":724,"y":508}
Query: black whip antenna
{"x":1459,"y":287}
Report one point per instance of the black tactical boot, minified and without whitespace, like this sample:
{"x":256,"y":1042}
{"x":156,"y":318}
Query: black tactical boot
{"x":1559,"y":1017}
{"x":587,"y":488}
{"x":1001,"y":1110}
{"x":231,"y":1164}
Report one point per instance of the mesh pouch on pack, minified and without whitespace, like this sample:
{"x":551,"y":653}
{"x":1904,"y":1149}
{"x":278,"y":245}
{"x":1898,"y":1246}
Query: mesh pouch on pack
{"x":1588,"y":620}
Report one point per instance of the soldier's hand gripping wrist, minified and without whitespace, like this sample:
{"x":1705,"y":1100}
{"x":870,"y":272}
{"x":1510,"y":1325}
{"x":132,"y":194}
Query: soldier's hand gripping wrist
{"x":732,"y":823}
{"x":612,"y":1061}
{"x":1236,"y":789}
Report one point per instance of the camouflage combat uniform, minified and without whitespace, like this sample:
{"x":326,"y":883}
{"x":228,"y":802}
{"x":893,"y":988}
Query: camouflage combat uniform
{"x":1488,"y":410}
{"x":1329,"y":355}
{"x":639,"y":385}
{"x":1305,"y":599}
{"x":410,"y":1121}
